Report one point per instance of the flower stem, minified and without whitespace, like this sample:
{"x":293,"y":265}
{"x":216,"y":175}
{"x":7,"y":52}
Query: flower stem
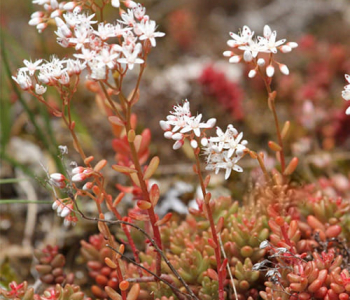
{"x":212,"y":226}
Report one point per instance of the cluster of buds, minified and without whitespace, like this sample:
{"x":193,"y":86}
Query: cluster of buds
{"x":253,"y":47}
{"x":180,"y":124}
{"x":50,"y":267}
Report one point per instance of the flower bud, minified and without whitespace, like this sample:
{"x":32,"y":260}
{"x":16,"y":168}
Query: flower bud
{"x":285,"y":49}
{"x":204,"y":141}
{"x":194,"y":144}
{"x":247,"y":56}
{"x":78,"y":170}
{"x":235,"y":59}
{"x":261,"y":62}
{"x":252,"y":73}
{"x":177,"y":136}
{"x":178,"y":144}
{"x":270,"y":70}
{"x":292,"y":44}
{"x":58,"y":177}
{"x":65,"y":212}
{"x":55,"y":14}
{"x":164,"y":125}
{"x":35,"y":21}
{"x":211,"y":122}
{"x":168,"y":135}
{"x":284,"y":69}
{"x":69,"y":5}
{"x":115,"y":3}
{"x":79,"y":177}
{"x":228,"y":53}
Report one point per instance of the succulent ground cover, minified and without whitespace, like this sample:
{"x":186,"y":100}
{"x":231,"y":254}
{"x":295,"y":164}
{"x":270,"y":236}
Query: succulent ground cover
{"x":259,"y":210}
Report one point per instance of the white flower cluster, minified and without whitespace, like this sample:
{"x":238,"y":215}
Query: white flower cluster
{"x":222,"y":151}
{"x":135,"y":33}
{"x":346,"y":92}
{"x":54,"y":72}
{"x":225,"y":150}
{"x":253,"y":47}
{"x":180,"y":124}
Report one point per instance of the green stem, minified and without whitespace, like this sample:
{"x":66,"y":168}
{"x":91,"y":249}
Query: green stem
{"x":20,"y":201}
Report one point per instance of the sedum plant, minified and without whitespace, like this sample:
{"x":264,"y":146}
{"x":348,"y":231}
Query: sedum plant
{"x":283,"y":242}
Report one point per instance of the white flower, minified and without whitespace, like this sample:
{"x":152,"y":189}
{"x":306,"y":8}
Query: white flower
{"x":81,"y":37}
{"x":86,"y":54}
{"x":218,"y":161}
{"x":128,"y":18}
{"x":269,"y":40}
{"x":31,"y":67}
{"x":195,"y":125}
{"x":23,"y":80}
{"x":107,"y":57}
{"x":98,"y":69}
{"x":225,"y":150}
{"x":149,"y":33}
{"x":346,"y":93}
{"x":40,"y":89}
{"x":130,"y":58}
{"x":105,"y":31}
{"x":242,"y":39}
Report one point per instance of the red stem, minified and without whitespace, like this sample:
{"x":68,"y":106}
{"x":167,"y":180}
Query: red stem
{"x":212,"y":227}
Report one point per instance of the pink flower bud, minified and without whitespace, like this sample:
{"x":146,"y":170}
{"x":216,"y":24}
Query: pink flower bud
{"x":65,"y":212}
{"x":37,"y":14}
{"x":235,"y":59}
{"x":79,"y":177}
{"x":211,"y":122}
{"x":55,"y":205}
{"x":285,"y":49}
{"x":35,"y":21}
{"x":164,"y":125}
{"x":69,"y":5}
{"x":284,"y":69}
{"x":87,"y":186}
{"x":228,"y":53}
{"x":177,"y":136}
{"x":58,"y":177}
{"x":55,"y":14}
{"x":292,"y":44}
{"x":270,"y":70}
{"x":178,"y":144}
{"x":41,"y":26}
{"x":78,"y":170}
{"x":168,"y":134}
